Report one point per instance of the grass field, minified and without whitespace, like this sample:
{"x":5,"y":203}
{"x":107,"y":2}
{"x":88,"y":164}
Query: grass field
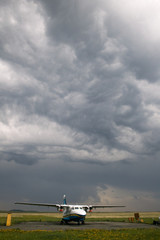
{"x":130,"y":234}
{"x":94,"y":234}
{"x":89,"y":215}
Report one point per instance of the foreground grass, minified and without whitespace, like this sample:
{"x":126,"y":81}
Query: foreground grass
{"x":125,"y":234}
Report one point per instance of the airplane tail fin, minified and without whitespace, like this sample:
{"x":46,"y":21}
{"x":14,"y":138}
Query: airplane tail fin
{"x":64,"y":199}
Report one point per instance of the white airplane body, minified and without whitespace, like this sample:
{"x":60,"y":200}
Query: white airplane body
{"x":76,"y":213}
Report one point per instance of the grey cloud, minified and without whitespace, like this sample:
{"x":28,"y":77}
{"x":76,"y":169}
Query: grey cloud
{"x":39,"y":182}
{"x":130,"y":111}
{"x":145,"y":65}
{"x":18,"y":158}
{"x":68,"y":24}
{"x":134,"y":33}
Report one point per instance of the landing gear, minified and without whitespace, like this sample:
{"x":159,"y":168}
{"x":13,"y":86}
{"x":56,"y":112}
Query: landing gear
{"x":63,"y":222}
{"x":81,"y":222}
{"x":67,"y":222}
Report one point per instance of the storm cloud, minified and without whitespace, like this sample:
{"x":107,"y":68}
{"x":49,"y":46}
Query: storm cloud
{"x":79,"y":102}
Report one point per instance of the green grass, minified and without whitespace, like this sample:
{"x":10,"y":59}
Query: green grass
{"x":130,"y":234}
{"x":2,"y":221}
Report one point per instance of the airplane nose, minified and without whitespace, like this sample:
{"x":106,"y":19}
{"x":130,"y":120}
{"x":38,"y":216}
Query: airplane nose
{"x":83,"y":213}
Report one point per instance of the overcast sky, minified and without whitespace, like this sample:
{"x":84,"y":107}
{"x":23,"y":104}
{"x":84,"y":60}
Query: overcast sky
{"x":80,"y":102}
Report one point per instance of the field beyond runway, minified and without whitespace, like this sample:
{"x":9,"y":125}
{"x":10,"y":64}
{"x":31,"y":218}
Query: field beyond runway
{"x":89,"y":215}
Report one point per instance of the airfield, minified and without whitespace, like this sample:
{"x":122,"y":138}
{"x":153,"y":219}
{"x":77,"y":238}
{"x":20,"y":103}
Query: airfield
{"x":93,"y":221}
{"x":55,"y":226}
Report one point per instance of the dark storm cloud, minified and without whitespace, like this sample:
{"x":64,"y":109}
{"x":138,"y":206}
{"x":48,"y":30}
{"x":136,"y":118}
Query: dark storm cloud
{"x":18,"y":158}
{"x":79,"y":99}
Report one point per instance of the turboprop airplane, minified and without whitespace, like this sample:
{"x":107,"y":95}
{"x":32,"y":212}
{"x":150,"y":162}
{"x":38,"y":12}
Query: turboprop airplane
{"x":76,"y":213}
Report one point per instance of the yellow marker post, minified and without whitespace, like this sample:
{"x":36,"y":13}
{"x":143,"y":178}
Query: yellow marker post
{"x":8,"y":222}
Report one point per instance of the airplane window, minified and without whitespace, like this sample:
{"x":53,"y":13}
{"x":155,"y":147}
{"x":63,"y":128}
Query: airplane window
{"x":76,"y":208}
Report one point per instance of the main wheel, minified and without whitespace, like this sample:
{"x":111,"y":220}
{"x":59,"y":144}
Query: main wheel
{"x":62,"y":222}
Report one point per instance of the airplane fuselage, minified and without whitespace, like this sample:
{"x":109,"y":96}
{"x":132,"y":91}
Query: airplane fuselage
{"x":73,"y":213}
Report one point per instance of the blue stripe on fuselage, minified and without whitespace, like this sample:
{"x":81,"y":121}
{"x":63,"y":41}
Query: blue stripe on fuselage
{"x":74,"y":217}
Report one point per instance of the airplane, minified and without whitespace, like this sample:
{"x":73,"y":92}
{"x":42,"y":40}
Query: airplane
{"x":76,"y":213}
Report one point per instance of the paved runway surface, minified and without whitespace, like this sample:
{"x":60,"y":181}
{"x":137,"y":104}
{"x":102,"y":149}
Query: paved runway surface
{"x":88,"y":225}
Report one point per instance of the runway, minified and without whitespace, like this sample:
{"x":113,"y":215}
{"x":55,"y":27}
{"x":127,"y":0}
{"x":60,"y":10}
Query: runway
{"x":53,"y":226}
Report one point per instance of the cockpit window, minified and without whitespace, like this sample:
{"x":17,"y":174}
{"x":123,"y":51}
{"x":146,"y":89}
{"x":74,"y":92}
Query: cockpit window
{"x":72,"y":207}
{"x":76,"y":207}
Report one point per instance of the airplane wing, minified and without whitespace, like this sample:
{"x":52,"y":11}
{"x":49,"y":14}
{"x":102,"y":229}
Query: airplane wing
{"x":90,"y":207}
{"x":104,"y":206}
{"x":61,"y":206}
{"x":40,"y":204}
{"x":58,"y":206}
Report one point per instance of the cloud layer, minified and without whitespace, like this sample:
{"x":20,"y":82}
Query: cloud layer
{"x":79,"y":97}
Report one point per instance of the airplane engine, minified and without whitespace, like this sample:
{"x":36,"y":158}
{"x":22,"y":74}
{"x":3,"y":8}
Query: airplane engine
{"x":60,"y":209}
{"x":85,"y":209}
{"x":90,"y":209}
